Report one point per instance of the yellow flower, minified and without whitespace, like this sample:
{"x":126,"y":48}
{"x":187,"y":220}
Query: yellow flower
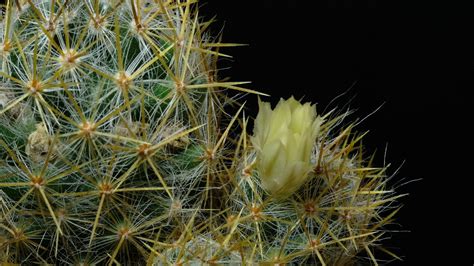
{"x":284,"y":139}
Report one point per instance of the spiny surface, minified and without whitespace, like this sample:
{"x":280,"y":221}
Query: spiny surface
{"x":116,"y":149}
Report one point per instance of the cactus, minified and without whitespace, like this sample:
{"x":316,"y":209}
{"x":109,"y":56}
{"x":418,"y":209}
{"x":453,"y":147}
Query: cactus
{"x":116,"y":148}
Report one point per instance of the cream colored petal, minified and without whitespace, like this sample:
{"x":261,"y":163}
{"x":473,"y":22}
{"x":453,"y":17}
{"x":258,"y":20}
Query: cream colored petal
{"x":278,"y":170}
{"x":269,"y":154}
{"x":280,"y":119}
{"x":292,"y":103}
{"x":299,"y":172}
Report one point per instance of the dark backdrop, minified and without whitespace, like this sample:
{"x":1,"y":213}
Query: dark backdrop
{"x":416,"y":58}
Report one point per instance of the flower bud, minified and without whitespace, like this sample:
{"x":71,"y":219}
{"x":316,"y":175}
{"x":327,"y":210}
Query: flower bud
{"x":284,"y":139}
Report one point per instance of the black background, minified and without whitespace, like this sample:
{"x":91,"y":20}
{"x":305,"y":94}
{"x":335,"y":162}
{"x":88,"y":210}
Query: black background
{"x":417,"y":58}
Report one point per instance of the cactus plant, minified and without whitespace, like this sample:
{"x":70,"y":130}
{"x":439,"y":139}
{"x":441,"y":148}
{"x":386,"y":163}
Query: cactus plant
{"x":117,"y":148}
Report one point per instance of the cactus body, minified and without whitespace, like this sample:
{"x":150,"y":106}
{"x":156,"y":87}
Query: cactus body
{"x":115,"y":149}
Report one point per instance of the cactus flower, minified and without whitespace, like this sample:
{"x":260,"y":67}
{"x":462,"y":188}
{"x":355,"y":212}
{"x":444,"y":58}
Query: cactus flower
{"x":284,"y":139}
